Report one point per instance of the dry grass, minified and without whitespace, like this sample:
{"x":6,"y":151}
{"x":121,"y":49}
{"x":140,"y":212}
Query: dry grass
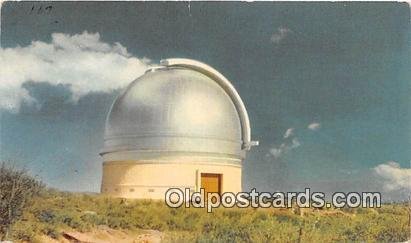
{"x":56,"y":212}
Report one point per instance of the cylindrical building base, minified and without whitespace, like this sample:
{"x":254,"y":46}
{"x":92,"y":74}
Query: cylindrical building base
{"x":150,"y":180}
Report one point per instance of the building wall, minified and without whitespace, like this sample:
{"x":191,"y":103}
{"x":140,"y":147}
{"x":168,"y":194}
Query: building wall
{"x":150,"y":180}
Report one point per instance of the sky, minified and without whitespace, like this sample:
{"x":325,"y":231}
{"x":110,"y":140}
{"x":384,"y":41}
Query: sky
{"x":326,"y":85}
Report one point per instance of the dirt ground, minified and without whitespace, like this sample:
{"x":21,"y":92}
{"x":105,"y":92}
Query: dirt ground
{"x":104,"y":234}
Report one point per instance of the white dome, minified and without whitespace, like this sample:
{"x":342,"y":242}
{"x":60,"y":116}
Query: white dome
{"x":178,"y":109}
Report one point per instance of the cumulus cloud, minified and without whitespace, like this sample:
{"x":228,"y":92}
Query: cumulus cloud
{"x":281,"y":33}
{"x":394,"y":177}
{"x":82,"y":62}
{"x":314,"y":126}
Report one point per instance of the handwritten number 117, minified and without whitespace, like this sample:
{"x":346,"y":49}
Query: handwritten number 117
{"x":41,"y":10}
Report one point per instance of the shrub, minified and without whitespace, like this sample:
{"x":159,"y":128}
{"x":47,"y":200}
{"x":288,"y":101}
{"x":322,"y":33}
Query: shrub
{"x":17,"y":188}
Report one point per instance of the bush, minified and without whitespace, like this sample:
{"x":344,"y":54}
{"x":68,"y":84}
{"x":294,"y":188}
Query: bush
{"x":17,"y":188}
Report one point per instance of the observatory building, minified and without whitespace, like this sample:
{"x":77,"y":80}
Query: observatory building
{"x":180,"y":125}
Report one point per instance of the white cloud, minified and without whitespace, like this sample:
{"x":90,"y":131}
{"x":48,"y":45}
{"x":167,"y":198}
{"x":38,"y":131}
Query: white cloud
{"x":394,"y":177}
{"x":284,"y":148}
{"x":290,"y":142}
{"x":314,"y":126}
{"x":289,"y":133}
{"x":275,"y":152}
{"x":83,"y":62}
{"x":295,"y":143}
{"x":280,"y":35}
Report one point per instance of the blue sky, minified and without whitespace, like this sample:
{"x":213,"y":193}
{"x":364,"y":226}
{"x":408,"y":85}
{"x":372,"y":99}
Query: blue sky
{"x":343,"y":68}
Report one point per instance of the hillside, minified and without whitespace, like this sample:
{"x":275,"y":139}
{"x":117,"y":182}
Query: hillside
{"x":57,"y":216}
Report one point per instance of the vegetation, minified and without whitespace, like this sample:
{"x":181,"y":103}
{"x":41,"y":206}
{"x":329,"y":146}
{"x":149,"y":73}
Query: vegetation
{"x":28,"y":211}
{"x":17,"y":188}
{"x":54,"y":212}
